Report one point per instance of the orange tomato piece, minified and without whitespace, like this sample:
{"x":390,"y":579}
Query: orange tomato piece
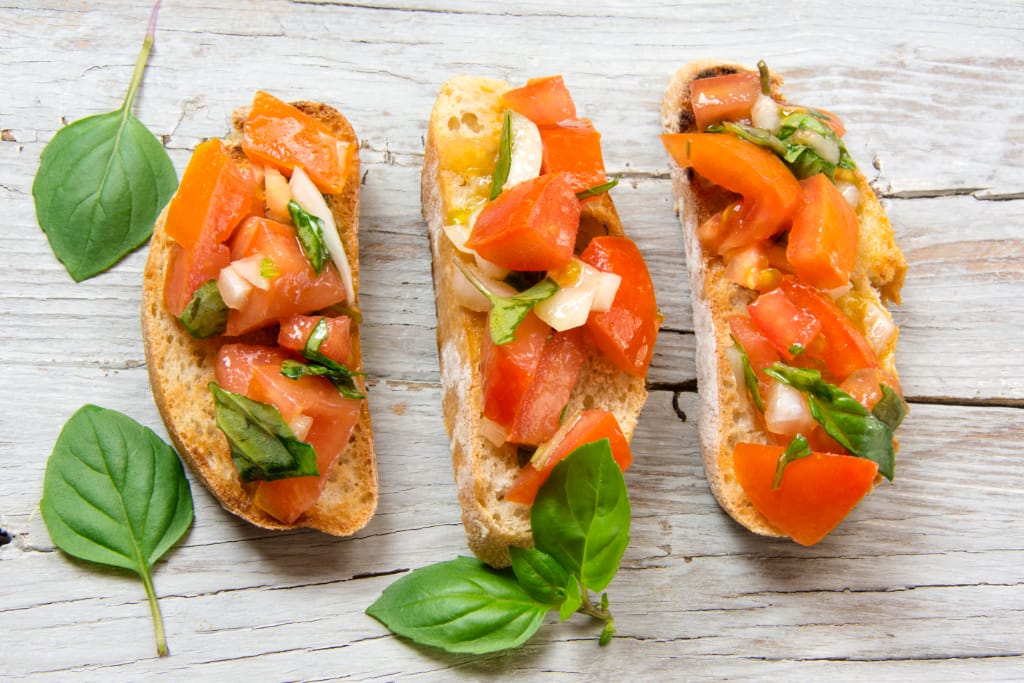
{"x":543,"y":100}
{"x":783,"y":323}
{"x":531,"y":226}
{"x":279,"y":135}
{"x":574,"y":146}
{"x":587,"y":427}
{"x":235,"y":362}
{"x":771,"y":194}
{"x":724,"y":98}
{"x":508,"y":369}
{"x":760,"y":352}
{"x":816,"y":493}
{"x":865,"y":385}
{"x":189,"y":269}
{"x":822,"y":249}
{"x":561,"y":360}
{"x":296,"y":329}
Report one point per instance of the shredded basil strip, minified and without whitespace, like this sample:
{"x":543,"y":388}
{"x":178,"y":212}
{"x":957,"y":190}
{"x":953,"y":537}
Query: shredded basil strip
{"x":310,"y":230}
{"x":263,"y":446}
{"x":206,"y":315}
{"x":508,"y":312}
{"x":268,"y":268}
{"x":797,"y":448}
{"x":891,"y":408}
{"x":504,"y":163}
{"x":842,"y":417}
{"x":801,"y":160}
{"x":750,"y":377}
{"x":598,"y":189}
{"x":321,"y":366}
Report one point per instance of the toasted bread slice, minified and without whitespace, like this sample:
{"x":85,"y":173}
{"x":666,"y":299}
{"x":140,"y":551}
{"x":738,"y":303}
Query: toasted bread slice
{"x":465,"y":126}
{"x":727,"y":416}
{"x":180,"y":367}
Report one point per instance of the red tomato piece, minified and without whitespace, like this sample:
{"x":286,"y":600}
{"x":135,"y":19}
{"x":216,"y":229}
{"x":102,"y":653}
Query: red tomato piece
{"x":714,"y":230}
{"x":783,"y":323}
{"x":822,"y":249}
{"x":750,"y":266}
{"x":561,"y":360}
{"x":865,"y":385}
{"x":295,"y":290}
{"x":760,"y":352}
{"x":625,"y":334}
{"x":587,"y":427}
{"x":543,"y":100}
{"x":841,"y":347}
{"x":508,"y":370}
{"x":724,"y":98}
{"x":816,"y":493}
{"x":574,"y":146}
{"x":295,"y":332}
{"x":279,"y":135}
{"x":235,"y":362}
{"x":531,"y":226}
{"x":771,"y":194}
{"x":189,"y":270}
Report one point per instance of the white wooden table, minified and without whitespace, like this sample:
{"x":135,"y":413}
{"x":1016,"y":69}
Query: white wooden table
{"x":924,"y":581}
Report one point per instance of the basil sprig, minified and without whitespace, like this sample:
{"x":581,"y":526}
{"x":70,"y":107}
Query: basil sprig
{"x":101,"y":183}
{"x":842,"y":417}
{"x":504,"y":162}
{"x":206,"y":315}
{"x":310,"y":231}
{"x":321,"y":366}
{"x":114,"y":493}
{"x":580,"y":525}
{"x":508,"y":312}
{"x":598,"y":189}
{"x":803,"y":161}
{"x":263,"y":446}
{"x":798,"y":448}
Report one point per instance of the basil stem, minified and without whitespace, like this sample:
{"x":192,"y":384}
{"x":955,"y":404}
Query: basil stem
{"x":766,"y":78}
{"x":310,"y":230}
{"x":598,"y":189}
{"x":508,"y":312}
{"x":206,"y":315}
{"x":797,"y":448}
{"x":749,"y":376}
{"x":504,"y":163}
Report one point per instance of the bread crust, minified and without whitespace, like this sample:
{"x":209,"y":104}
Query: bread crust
{"x":727,"y":417}
{"x":469,"y":107}
{"x":180,"y":368}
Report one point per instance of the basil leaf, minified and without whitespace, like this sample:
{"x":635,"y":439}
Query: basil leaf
{"x":891,"y":408}
{"x":460,"y":606}
{"x":540,"y":575}
{"x":504,"y":163}
{"x":508,"y":312}
{"x":843,"y":418}
{"x":114,"y":493}
{"x":310,"y":230}
{"x":598,"y":189}
{"x":581,"y":515}
{"x":206,"y":315}
{"x":263,"y":446}
{"x":101,"y":184}
{"x":797,"y":448}
{"x":573,"y":599}
{"x":340,"y":377}
{"x":749,"y":376}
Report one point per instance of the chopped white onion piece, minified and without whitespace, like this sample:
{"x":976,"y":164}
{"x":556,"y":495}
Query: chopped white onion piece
{"x":458,"y":234}
{"x":492,"y":431}
{"x":278,"y":195}
{"x":607,"y":288}
{"x":300,"y":425}
{"x":468,"y":296}
{"x":566,"y":308}
{"x":786,"y":410}
{"x":765,"y":114}
{"x":736,"y":363}
{"x":850,"y":192}
{"x":309,"y":198}
{"x":527,"y":151}
{"x":826,"y":148}
{"x":234,"y":289}
{"x":250,"y":269}
{"x":491,"y":270}
{"x":878,"y":327}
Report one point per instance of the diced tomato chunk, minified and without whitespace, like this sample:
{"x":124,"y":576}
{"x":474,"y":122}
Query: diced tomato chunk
{"x":561,"y":360}
{"x":587,"y":427}
{"x":724,"y":98}
{"x":296,"y":329}
{"x":279,"y":135}
{"x":295,"y":290}
{"x":543,"y":100}
{"x":816,"y":493}
{"x":865,"y":385}
{"x":531,"y":226}
{"x":789,"y":328}
{"x":760,"y":352}
{"x":508,"y":370}
{"x":625,"y":334}
{"x":235,"y":363}
{"x":822,"y":249}
{"x":189,"y":270}
{"x":771,"y":194}
{"x":574,"y":146}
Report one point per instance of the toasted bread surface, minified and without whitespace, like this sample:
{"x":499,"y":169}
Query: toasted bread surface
{"x":461,"y":145}
{"x":727,"y":417}
{"x":180,"y":368}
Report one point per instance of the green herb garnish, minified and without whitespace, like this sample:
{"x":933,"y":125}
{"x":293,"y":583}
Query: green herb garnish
{"x":749,"y":376}
{"x":268,"y":268}
{"x":766,"y":78}
{"x":310,"y":230}
{"x":508,"y":312}
{"x":504,"y":163}
{"x":598,"y":189}
{"x":891,"y":408}
{"x":797,"y":448}
{"x":114,"y":493}
{"x":321,"y":366}
{"x":206,"y":315}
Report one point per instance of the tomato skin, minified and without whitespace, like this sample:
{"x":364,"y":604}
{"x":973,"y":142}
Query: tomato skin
{"x":279,"y":135}
{"x":235,"y":362}
{"x":296,"y":329}
{"x":574,"y":146}
{"x":771,"y":194}
{"x":531,"y":226}
{"x":509,"y":369}
{"x":626,"y":333}
{"x":822,"y":249}
{"x":587,"y":427}
{"x":543,"y":100}
{"x":724,"y":98}
{"x":561,"y":361}
{"x":783,"y":323}
{"x":189,"y":269}
{"x":816,"y":493}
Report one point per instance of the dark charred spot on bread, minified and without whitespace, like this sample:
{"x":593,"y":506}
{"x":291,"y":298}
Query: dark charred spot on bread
{"x":713,"y":71}
{"x":686,"y":120}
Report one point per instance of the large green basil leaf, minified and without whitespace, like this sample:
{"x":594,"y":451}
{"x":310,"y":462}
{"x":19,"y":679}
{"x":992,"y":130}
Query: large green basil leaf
{"x":540,"y":575}
{"x":460,"y":606}
{"x":101,"y":183}
{"x":581,"y":515}
{"x":114,"y":493}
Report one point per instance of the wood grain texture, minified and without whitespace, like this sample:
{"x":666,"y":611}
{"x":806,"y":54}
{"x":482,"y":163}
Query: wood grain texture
{"x":922,"y":582}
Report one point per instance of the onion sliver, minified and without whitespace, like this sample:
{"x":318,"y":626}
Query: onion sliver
{"x":234,"y":289}
{"x":309,"y":198}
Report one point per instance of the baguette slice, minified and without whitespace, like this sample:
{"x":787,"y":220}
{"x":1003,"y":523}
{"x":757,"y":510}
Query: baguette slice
{"x":464,"y":130}
{"x":727,"y":416}
{"x":180,"y":367}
